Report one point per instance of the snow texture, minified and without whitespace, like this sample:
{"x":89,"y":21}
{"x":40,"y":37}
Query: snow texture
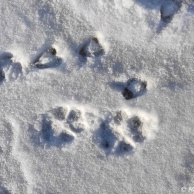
{"x":96,"y":96}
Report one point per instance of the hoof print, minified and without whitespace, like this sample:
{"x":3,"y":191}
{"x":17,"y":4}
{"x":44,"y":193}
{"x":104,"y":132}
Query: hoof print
{"x":91,"y":48}
{"x":134,"y":88}
{"x":47,"y":59}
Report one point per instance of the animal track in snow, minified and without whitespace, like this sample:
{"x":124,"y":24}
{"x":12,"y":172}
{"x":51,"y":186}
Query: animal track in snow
{"x":123,"y":130}
{"x":92,"y":47}
{"x":47,"y":59}
{"x":9,"y":70}
{"x":58,"y":126}
{"x":133,"y":88}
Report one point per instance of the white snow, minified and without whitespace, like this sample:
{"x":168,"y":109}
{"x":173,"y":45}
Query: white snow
{"x":75,"y":156}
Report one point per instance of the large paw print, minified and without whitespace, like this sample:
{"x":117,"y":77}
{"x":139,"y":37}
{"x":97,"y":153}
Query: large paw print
{"x":124,"y":130}
{"x":58,"y":127}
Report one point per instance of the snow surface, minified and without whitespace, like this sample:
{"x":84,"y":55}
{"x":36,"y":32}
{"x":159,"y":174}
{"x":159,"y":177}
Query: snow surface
{"x":100,"y":45}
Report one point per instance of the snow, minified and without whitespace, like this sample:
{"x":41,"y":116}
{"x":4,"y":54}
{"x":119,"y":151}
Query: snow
{"x":66,"y":126}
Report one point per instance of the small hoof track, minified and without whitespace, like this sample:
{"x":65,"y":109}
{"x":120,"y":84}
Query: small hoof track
{"x":134,"y":88}
{"x":47,"y":59}
{"x":58,"y":127}
{"x":92,"y":48}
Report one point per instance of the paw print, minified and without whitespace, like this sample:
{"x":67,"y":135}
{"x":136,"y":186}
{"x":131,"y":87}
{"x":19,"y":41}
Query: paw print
{"x":123,"y":131}
{"x":58,"y":126}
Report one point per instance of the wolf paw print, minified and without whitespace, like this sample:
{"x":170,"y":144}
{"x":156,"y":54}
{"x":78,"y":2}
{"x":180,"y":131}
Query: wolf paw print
{"x":123,"y":131}
{"x":58,"y":126}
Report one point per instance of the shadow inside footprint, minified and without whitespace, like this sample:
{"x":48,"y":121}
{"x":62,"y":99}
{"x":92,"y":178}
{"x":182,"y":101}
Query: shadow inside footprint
{"x":5,"y":55}
{"x":65,"y":137}
{"x":134,"y":88}
{"x":118,"y":86}
{"x":59,"y":113}
{"x":74,"y":115}
{"x":167,"y":11}
{"x":3,"y":190}
{"x":47,"y":130}
{"x":91,"y":48}
{"x":135,"y":125}
{"x":2,"y":75}
{"x":73,"y":121}
{"x":106,"y":137}
{"x":47,"y":59}
{"x":5,"y":59}
{"x":120,"y":117}
{"x":48,"y":137}
{"x":124,"y":148}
